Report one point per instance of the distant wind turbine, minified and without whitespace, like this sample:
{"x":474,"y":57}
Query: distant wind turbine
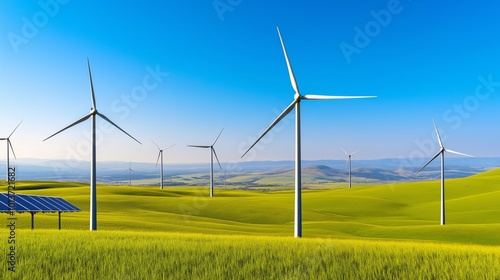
{"x":212,"y":153}
{"x":92,"y":115}
{"x":160,"y":156}
{"x":349,"y":164}
{"x":441,"y":152}
{"x":9,"y":144}
{"x":130,"y":170}
{"x":298,"y":97}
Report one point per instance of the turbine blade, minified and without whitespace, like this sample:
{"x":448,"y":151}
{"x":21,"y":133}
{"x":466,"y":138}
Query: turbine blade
{"x":276,"y":121}
{"x":430,"y":161}
{"x":156,"y":145}
{"x":196,"y":146}
{"x":346,"y":163}
{"x":11,"y":148}
{"x":73,"y":124}
{"x":344,"y":151}
{"x":14,"y":129}
{"x":92,"y":95}
{"x":213,"y":150}
{"x":332,"y":97}
{"x":457,"y":153}
{"x":108,"y":120}
{"x":159,"y":153}
{"x":293,"y":81}
{"x":218,"y":137}
{"x":437,"y":133}
{"x":354,"y":152}
{"x":168,"y":147}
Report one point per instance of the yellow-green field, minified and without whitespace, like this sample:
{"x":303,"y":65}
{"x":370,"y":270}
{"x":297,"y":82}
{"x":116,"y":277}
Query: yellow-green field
{"x":386,"y":231}
{"x":46,"y":254}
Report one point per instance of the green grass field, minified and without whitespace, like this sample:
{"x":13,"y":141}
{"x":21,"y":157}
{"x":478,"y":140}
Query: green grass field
{"x":47,"y":254}
{"x":370,"y":231}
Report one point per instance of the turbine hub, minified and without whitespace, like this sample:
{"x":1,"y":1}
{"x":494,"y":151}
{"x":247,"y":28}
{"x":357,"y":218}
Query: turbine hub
{"x":297,"y":96}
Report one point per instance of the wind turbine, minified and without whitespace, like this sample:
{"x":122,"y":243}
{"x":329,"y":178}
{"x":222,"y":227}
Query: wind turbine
{"x":298,"y":97}
{"x":130,"y":173}
{"x":441,"y":152}
{"x":92,"y":115}
{"x":212,"y":153}
{"x":9,"y":144}
{"x":349,"y":164}
{"x":160,"y":155}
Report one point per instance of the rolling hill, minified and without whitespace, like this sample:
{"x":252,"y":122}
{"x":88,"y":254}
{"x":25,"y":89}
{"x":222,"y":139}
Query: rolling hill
{"x":388,"y":211}
{"x":372,"y":231}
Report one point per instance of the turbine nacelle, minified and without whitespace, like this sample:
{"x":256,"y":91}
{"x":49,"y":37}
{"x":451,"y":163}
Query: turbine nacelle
{"x":9,"y":146}
{"x":442,"y":150}
{"x":211,"y":147}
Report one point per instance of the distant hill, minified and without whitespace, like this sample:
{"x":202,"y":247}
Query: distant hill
{"x":254,"y":173}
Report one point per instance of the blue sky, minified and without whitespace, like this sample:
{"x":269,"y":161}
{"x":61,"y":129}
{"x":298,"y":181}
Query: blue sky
{"x":177,"y":72}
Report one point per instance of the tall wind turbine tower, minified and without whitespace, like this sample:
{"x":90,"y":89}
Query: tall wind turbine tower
{"x":441,"y":153}
{"x":212,"y":153}
{"x":349,"y":156}
{"x":9,"y":145}
{"x":92,"y":115}
{"x":298,"y":97}
{"x":160,"y":156}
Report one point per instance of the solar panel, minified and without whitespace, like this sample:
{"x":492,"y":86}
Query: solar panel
{"x":67,"y":205}
{"x":37,"y":203}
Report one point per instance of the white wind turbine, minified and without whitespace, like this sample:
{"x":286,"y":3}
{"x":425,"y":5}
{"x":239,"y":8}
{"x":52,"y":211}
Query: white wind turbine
{"x":9,"y":144}
{"x":130,"y":170}
{"x":441,"y":152}
{"x":212,"y":153}
{"x":298,"y":97}
{"x":92,"y":115}
{"x":160,"y":156}
{"x":349,"y":164}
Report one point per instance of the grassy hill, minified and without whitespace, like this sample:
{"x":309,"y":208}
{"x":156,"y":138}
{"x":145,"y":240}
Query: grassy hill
{"x":392,"y":211}
{"x":368,"y":232}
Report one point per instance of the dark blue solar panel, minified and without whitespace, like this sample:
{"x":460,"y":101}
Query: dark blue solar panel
{"x":31,"y":202}
{"x":49,"y":202}
{"x":60,"y":203}
{"x":20,"y":207}
{"x":66,"y":205}
{"x":36,"y":203}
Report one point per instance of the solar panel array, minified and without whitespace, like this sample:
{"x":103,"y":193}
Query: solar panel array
{"x":37,"y":203}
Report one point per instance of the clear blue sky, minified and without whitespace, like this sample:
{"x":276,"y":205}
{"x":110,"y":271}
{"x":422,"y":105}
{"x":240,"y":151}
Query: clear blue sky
{"x":423,"y":59}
